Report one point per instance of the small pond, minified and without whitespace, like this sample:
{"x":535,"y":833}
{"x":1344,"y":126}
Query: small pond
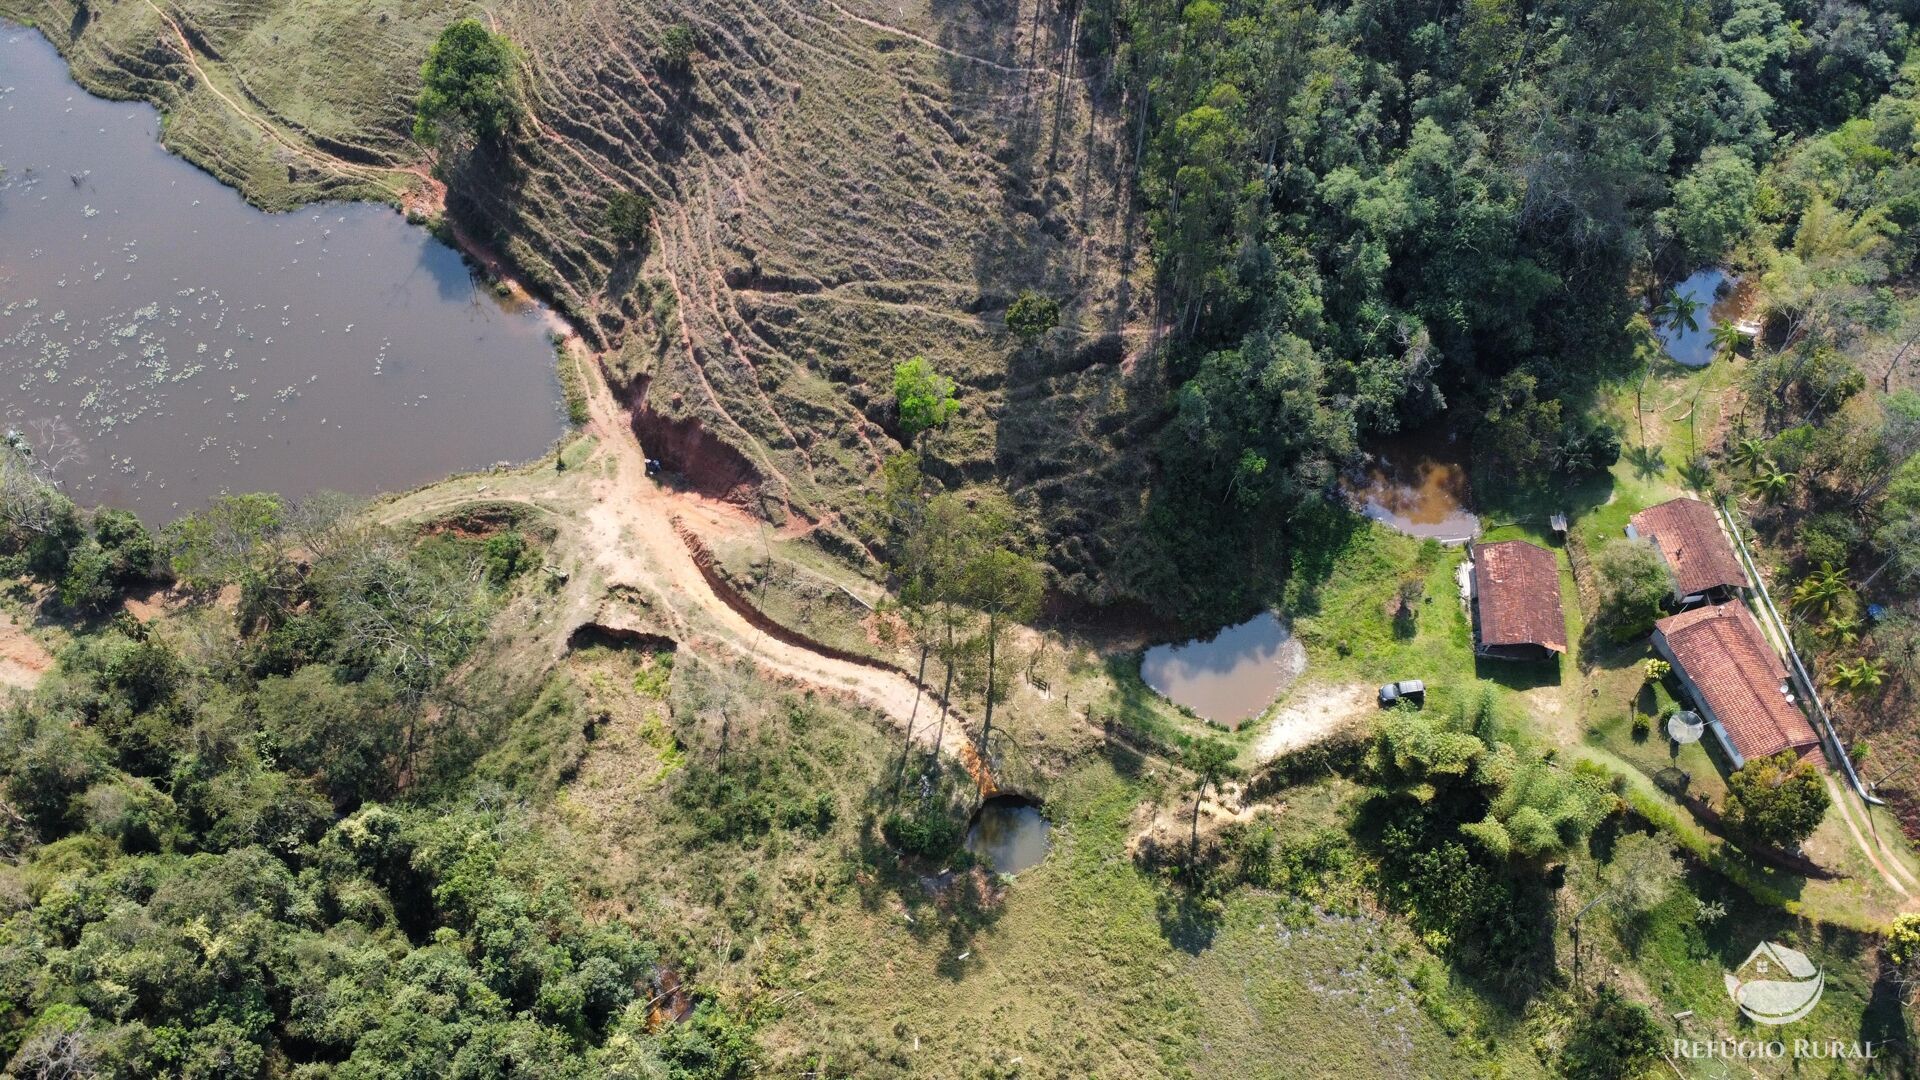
{"x":1231,"y":677}
{"x":161,"y":341}
{"x":1416,"y":483}
{"x":1721,"y":298}
{"x":1010,"y":831}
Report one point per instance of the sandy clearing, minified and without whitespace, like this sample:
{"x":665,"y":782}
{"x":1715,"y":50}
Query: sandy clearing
{"x":22,"y":660}
{"x":1311,"y":714}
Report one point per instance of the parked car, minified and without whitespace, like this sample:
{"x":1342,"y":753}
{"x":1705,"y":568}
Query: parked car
{"x":1405,"y":690}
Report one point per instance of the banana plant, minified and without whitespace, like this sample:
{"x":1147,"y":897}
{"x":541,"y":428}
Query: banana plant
{"x":1822,"y":593}
{"x":1772,"y":483}
{"x":1749,"y":453}
{"x":1861,"y":676}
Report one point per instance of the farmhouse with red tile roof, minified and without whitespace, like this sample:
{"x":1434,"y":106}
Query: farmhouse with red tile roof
{"x":1737,"y":679}
{"x":1516,"y":602}
{"x":1687,"y":534}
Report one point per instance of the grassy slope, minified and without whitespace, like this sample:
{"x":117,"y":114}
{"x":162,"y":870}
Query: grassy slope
{"x":784,"y":256}
{"x":287,"y":79}
{"x":1081,"y":969}
{"x":841,"y":186}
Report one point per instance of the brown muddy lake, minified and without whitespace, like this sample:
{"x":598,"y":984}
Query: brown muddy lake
{"x":162,"y":342}
{"x":1231,"y":677}
{"x":1417,"y":484}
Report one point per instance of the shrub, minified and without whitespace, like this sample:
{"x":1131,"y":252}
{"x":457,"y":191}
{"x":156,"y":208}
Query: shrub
{"x":654,"y":675}
{"x":928,"y":830}
{"x":1829,"y":538}
{"x":127,"y":540}
{"x":629,"y":215}
{"x":1031,"y":315}
{"x":1903,"y":941}
{"x":506,"y":557}
{"x":88,"y":584}
{"x":1776,"y":800}
{"x":676,"y":48}
{"x":1616,"y":1038}
{"x":712,"y":1045}
{"x":1634,"y":589}
{"x":120,"y":551}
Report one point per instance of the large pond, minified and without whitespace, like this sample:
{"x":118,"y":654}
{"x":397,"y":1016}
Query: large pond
{"x":1416,"y":483}
{"x":1231,"y":677}
{"x":161,"y":341}
{"x":1718,"y":297}
{"x":1011,"y":833}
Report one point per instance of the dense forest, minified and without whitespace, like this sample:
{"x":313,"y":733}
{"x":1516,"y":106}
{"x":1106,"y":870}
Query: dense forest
{"x":203,"y":871}
{"x":1371,"y":217}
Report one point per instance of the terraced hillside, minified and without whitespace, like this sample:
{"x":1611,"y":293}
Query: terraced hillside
{"x":841,"y":185}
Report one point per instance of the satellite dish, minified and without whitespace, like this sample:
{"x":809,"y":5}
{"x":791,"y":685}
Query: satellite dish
{"x":1686,"y":727}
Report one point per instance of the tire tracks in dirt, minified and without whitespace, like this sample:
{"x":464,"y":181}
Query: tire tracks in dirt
{"x":1839,"y":800}
{"x":632,"y":533}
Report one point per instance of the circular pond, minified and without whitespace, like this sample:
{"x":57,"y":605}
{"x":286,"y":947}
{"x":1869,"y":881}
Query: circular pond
{"x":1010,"y":832}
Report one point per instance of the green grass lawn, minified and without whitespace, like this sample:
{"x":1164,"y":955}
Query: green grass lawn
{"x":1085,"y":971}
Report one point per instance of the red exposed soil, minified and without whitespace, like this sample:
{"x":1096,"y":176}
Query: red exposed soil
{"x":22,"y":660}
{"x":710,"y":466}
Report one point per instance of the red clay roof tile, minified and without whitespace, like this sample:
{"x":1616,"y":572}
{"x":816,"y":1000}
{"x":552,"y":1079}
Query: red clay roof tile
{"x":1724,"y":654}
{"x":1517,"y":586}
{"x":1689,"y":537}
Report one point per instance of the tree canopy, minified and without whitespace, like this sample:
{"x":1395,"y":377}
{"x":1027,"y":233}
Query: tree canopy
{"x":1635,"y":587}
{"x":1776,"y":800}
{"x":468,"y":83}
{"x":1443,"y":211}
{"x":923,"y":397}
{"x":1031,"y":315}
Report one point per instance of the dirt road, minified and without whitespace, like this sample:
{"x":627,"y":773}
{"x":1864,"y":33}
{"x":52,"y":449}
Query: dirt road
{"x":615,"y":517}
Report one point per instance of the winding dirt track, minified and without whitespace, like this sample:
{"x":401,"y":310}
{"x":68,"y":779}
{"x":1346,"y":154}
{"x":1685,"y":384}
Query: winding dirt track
{"x":627,"y":530}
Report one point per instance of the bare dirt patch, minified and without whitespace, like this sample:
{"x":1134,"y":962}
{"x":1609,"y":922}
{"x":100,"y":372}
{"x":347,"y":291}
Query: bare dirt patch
{"x":1163,"y":831}
{"x":1311,"y":714}
{"x":22,"y":660}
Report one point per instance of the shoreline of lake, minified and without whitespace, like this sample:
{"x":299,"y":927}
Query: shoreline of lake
{"x":162,"y":341}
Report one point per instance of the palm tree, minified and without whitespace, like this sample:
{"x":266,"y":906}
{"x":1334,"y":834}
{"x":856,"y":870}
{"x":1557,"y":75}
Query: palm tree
{"x":1772,"y":484}
{"x":1863,"y":675}
{"x":1821,"y":593}
{"x":1679,"y":311}
{"x":1749,"y":453}
{"x":1727,"y":338}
